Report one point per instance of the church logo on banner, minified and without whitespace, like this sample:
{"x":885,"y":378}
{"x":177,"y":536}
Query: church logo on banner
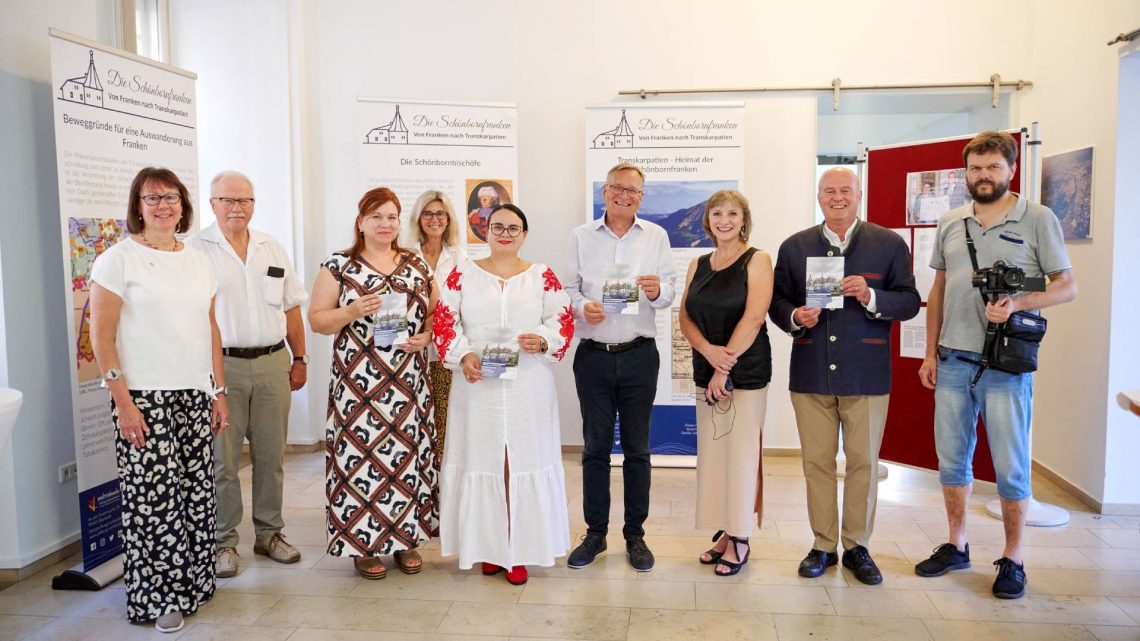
{"x":394,"y":132}
{"x":620,"y":137}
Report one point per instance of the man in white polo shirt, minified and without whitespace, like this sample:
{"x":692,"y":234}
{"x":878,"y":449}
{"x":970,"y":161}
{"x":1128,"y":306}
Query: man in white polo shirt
{"x":258,"y":308}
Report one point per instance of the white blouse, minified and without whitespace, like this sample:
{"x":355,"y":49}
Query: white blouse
{"x":164,"y":338}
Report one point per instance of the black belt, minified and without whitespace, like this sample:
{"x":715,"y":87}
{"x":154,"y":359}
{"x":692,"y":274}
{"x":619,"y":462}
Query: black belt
{"x":252,"y":352}
{"x":617,"y":348}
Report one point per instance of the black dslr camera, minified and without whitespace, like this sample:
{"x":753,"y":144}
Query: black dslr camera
{"x":1005,"y":279}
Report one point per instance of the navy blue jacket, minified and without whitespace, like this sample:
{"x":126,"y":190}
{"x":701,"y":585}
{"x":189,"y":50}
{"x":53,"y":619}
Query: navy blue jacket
{"x":848,"y":353}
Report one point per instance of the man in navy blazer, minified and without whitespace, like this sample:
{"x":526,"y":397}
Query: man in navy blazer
{"x":841,"y":366}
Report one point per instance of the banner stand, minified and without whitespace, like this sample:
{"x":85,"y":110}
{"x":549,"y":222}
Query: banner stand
{"x":114,"y":113}
{"x":95,"y":579}
{"x":688,"y":151}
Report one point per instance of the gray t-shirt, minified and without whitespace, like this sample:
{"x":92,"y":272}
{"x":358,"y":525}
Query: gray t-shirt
{"x":1029,"y":237}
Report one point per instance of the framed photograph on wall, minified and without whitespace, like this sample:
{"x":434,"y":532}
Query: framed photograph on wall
{"x":1066,"y":188}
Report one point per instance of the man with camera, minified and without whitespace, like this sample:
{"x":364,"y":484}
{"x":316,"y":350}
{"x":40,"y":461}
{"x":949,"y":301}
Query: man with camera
{"x":1022,"y":241}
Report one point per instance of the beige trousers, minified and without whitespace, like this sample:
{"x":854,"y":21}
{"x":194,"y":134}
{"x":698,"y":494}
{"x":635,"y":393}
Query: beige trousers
{"x":819,"y":419}
{"x":258,"y":397}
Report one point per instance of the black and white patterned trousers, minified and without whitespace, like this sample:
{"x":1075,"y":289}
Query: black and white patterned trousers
{"x":168,"y":505}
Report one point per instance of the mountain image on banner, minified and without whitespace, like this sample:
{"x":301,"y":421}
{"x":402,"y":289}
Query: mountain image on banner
{"x":679,"y":208}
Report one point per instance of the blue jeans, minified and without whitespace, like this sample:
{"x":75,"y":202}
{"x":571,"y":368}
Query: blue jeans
{"x":1006,"y":404}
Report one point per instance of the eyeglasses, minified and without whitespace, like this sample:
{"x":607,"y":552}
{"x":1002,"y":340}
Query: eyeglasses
{"x":154,"y":199}
{"x":433,"y":214}
{"x":244,"y":203}
{"x":628,"y":191}
{"x":499,"y":229}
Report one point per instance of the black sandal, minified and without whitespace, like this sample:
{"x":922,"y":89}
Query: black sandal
{"x":733,"y":568}
{"x":714,"y":556}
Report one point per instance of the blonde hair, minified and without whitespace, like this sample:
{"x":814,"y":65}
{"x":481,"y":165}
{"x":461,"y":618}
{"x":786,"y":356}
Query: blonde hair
{"x":415,"y":231}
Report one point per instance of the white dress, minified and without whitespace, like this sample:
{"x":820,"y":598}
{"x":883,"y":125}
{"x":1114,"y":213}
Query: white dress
{"x":492,"y":418}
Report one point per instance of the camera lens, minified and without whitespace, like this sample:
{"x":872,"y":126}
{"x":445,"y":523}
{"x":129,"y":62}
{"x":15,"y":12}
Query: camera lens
{"x":1013,"y":278}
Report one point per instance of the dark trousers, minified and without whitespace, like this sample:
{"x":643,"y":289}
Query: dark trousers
{"x":610,"y":385}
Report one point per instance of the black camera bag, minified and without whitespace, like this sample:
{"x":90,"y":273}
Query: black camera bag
{"x":1015,"y":350}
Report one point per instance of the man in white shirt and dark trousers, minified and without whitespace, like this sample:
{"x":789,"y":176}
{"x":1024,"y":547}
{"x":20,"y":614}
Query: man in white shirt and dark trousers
{"x":258,"y":308}
{"x":616,"y":364}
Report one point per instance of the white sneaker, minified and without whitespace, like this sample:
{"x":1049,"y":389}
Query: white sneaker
{"x":226,"y":563}
{"x":171,"y":622}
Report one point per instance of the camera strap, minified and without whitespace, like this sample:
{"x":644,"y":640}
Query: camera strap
{"x":984,"y":363}
{"x":973,"y":255}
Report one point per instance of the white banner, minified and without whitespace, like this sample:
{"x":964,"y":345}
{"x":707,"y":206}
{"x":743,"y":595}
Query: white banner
{"x":468,"y":151}
{"x":688,"y":151}
{"x":115,"y":113}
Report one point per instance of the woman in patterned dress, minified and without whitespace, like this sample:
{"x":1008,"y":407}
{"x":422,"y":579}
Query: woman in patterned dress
{"x":434,"y":231}
{"x":503,"y":491}
{"x":157,"y":344}
{"x":381,"y":470}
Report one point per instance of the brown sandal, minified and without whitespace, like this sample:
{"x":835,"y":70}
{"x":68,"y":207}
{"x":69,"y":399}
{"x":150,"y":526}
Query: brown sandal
{"x":370,"y":567}
{"x":403,"y":558}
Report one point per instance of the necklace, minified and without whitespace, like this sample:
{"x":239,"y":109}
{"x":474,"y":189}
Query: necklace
{"x":174,"y":247}
{"x":727,"y":261}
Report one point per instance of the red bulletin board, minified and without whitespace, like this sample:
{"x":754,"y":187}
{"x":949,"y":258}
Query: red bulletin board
{"x":909,"y":435}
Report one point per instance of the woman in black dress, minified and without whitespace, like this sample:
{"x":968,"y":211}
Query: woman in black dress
{"x":726,"y":299}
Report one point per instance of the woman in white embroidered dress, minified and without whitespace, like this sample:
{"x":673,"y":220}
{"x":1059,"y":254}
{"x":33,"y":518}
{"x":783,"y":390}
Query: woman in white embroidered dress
{"x":503,"y":492}
{"x":434,"y":231}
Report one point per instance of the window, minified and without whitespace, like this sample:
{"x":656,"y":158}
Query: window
{"x":152,"y":28}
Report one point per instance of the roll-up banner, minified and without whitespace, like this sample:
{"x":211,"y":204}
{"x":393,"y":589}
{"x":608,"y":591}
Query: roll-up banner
{"x":469,"y":151}
{"x":688,"y":152}
{"x":115,"y":113}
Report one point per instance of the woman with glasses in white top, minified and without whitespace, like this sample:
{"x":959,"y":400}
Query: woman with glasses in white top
{"x":434,"y":232}
{"x":503,"y":492}
{"x":157,"y":343}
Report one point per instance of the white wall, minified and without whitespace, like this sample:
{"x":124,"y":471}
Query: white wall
{"x":241,"y":54}
{"x":552,"y":59}
{"x":1075,"y":99}
{"x":40,"y":515}
{"x":1122,"y":476}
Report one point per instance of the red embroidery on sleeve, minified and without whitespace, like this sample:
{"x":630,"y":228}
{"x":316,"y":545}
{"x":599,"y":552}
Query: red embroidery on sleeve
{"x":566,"y":320}
{"x":550,"y":281}
{"x":443,"y":329}
{"x":453,"y":280}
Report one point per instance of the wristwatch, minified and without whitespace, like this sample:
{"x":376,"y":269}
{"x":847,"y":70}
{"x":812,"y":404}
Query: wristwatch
{"x":113,"y":375}
{"x":543,"y":345}
{"x":218,"y":391}
{"x":304,"y":358}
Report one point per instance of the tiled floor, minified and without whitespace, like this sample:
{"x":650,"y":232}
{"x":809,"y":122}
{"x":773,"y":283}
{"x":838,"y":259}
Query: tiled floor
{"x":1084,"y":581}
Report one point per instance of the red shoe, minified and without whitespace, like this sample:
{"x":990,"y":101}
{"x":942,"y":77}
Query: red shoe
{"x":517,"y":575}
{"x":490,"y":569}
